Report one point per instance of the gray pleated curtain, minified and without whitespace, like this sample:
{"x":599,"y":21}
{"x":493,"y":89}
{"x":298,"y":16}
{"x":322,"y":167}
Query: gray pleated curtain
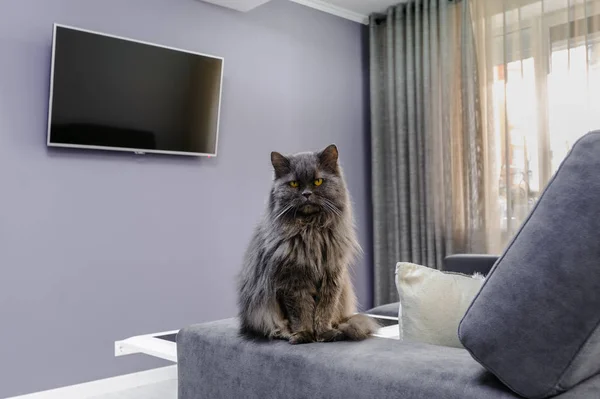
{"x":427,"y":141}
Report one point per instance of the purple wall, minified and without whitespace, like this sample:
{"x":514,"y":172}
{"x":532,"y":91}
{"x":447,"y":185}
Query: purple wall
{"x":96,"y":247}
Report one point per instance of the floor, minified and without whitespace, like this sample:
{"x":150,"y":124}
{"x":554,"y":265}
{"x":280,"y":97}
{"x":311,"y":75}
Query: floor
{"x":160,"y":390}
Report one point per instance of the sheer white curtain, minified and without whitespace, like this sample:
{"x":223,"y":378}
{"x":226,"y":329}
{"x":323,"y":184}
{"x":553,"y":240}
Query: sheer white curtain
{"x":539,"y":75}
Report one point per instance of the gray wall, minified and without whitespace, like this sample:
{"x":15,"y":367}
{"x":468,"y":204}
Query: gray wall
{"x":95,"y":247}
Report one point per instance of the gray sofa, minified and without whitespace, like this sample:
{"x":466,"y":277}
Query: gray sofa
{"x":532,"y":330}
{"x":215,"y":363}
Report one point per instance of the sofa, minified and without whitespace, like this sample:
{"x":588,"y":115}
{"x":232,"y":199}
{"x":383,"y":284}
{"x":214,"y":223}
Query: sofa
{"x":215,"y":362}
{"x":532,"y":330}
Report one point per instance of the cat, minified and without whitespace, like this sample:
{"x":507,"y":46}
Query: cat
{"x":295,"y":283}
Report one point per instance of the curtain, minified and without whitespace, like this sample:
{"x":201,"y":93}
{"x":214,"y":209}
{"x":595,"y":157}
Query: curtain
{"x":474,"y":105}
{"x":428,"y":142}
{"x":538,"y":64}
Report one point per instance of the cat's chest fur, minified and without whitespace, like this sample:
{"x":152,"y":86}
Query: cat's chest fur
{"x":314,"y":252}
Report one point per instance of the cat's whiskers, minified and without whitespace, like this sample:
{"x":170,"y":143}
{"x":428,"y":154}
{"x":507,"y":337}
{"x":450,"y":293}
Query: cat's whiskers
{"x":329,"y":205}
{"x":285,"y":210}
{"x":335,"y":211}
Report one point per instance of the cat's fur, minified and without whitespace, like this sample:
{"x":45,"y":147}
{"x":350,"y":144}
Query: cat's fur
{"x":295,"y":283}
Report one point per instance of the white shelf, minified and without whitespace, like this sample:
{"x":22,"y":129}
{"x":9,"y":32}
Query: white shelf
{"x":149,"y":345}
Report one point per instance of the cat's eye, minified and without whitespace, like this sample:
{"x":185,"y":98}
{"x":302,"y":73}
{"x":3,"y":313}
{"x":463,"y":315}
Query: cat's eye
{"x":318,"y":182}
{"x":294,"y":184}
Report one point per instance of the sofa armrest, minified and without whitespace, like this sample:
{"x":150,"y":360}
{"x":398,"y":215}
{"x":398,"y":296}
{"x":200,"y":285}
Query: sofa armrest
{"x":469,"y":263}
{"x":387,"y":310}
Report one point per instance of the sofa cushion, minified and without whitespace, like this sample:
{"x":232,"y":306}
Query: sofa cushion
{"x":535,"y":323}
{"x":432,"y":303}
{"x":214,"y":362}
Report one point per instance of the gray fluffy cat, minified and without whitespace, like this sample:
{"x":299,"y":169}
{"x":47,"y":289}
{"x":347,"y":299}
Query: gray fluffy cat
{"x":295,"y":283}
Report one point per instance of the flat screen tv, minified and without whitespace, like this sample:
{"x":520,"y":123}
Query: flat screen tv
{"x":112,"y":93}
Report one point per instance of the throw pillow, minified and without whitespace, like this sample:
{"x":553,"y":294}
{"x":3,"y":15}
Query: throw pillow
{"x":535,"y":323}
{"x":432,"y":303}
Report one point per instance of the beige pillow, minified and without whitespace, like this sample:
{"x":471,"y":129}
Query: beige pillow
{"x":433,"y":302}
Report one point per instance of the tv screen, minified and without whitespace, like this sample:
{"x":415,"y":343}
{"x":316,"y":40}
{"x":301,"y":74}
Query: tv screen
{"x":111,"y":93}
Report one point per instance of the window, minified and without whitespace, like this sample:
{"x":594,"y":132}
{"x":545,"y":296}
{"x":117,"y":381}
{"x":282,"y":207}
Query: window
{"x":546,"y":60}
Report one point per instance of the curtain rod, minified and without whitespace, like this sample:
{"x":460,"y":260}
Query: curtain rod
{"x":381,"y":17}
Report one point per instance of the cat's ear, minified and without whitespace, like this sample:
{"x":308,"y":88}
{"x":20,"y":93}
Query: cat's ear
{"x":281,"y":164}
{"x":328,"y":159}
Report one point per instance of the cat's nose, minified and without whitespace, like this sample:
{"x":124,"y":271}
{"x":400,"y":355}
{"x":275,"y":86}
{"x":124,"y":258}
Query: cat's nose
{"x":307,"y":194}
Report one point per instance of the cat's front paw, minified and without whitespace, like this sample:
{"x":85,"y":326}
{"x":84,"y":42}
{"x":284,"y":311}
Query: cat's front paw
{"x":330,"y":336}
{"x":282,"y":333}
{"x":321,"y":327}
{"x":301,"y":337}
